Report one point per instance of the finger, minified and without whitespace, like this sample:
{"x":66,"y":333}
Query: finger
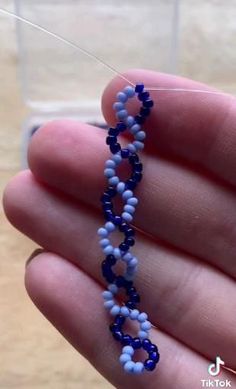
{"x":169,"y":195}
{"x":194,"y":126}
{"x":190,"y":301}
{"x":71,"y":301}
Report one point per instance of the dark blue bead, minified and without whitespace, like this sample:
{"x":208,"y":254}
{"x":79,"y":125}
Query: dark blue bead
{"x":111,"y":260}
{"x":131,"y":290}
{"x":120,"y":281}
{"x":110,"y":277}
{"x":111,"y":139}
{"x":148,"y":103}
{"x":136,"y":343}
{"x":120,"y":319}
{"x":143,"y":96}
{"x":129,"y":241}
{"x":135,"y":298}
{"x":149,"y":364}
{"x":152,"y":347}
{"x":105,"y":197}
{"x":145,"y":111}
{"x":114,"y":327}
{"x":123,"y":247}
{"x":118,"y":335}
{"x":133,"y":159}
{"x":154,"y":356}
{"x":107,"y":206}
{"x":129,"y":232}
{"x":113,"y":131}
{"x":139,"y":88}
{"x":137,"y":176}
{"x":130,"y":304}
{"x":123,"y":227}
{"x":121,"y":126}
{"x":139,"y":119}
{"x":116,"y":219}
{"x":138,"y":166}
{"x":111,"y":191}
{"x":115,"y":148}
{"x":130,"y":184}
{"x":125,"y":153}
{"x":127,"y":340}
{"x":108,"y":214}
{"x":146,"y":344}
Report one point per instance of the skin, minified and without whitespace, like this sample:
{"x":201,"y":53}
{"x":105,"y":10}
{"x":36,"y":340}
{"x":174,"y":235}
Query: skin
{"x":186,"y":232}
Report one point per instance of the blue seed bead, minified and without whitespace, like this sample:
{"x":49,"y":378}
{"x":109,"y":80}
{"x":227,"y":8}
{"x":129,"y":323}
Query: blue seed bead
{"x":143,"y":96}
{"x":113,"y":180}
{"x":130,"y":121}
{"x":104,"y":242}
{"x":149,"y":364}
{"x":127,"y":217}
{"x":118,"y":106}
{"x":117,"y":252}
{"x":132,"y":201}
{"x":110,"y":164}
{"x":111,"y":140}
{"x":124,"y":311}
{"x":139,"y":88}
{"x":140,"y":135}
{"x":129,"y":241}
{"x":139,"y":119}
{"x":136,"y":343}
{"x":129,"y":208}
{"x":138,"y":368}
{"x":117,"y":158}
{"x":129,"y":91}
{"x":107,"y":295}
{"x":113,"y":131}
{"x":127,"y":194}
{"x":115,"y":310}
{"x":148,"y":103}
{"x":146,"y":344}
{"x":118,"y":335}
{"x":124,"y":358}
{"x":129,"y":232}
{"x":146,"y":325}
{"x":127,"y":339}
{"x":113,"y":288}
{"x":120,"y":320}
{"x":116,"y":220}
{"x":109,"y":304}
{"x":120,"y":187}
{"x":145,"y":111}
{"x":155,"y":356}
{"x":152,"y":348}
{"x":115,"y":148}
{"x":138,"y":166}
{"x":134,"y":314}
{"x":108,"y":249}
{"x":128,"y":350}
{"x":109,"y":226}
{"x":124,"y":153}
{"x":135,"y":128}
{"x":102,"y":232}
{"x":129,"y":366}
{"x":124,"y":247}
{"x":131,"y":148}
{"x":121,"y":126}
{"x":122,"y":97}
{"x":138,"y":145}
{"x":121,"y":115}
{"x":142,"y":334}
{"x":142,"y":317}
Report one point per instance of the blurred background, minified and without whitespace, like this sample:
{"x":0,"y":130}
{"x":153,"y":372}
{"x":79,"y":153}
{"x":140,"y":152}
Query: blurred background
{"x":41,"y":78}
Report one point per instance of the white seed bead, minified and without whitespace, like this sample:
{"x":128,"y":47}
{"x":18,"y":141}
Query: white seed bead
{"x":110,"y":164}
{"x":110,"y":226}
{"x":129,"y":208}
{"x":138,"y":145}
{"x":116,"y":252}
{"x":128,"y":350}
{"x":115,"y":310}
{"x":135,"y":128}
{"x":132,"y":201}
{"x":142,"y":334}
{"x":102,"y":232}
{"x":127,"y":194}
{"x":140,"y":135}
{"x":134,"y":314}
{"x":127,"y":217}
{"x":127,"y":257}
{"x":113,"y":181}
{"x":108,"y":172}
{"x":104,"y":242}
{"x":138,"y":368}
{"x":125,"y":358}
{"x":131,"y":148}
{"x":124,"y":311}
{"x":108,"y":249}
{"x":120,"y":187}
{"x":142,"y":317}
{"x":146,"y":325}
{"x":107,"y":295}
{"x":133,"y":262}
{"x":109,"y":304}
{"x":129,"y":366}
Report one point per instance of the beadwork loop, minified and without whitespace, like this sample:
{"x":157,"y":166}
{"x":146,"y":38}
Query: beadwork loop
{"x":122,"y":222}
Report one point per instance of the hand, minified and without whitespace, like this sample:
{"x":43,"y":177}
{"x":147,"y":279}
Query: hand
{"x":185,"y":242}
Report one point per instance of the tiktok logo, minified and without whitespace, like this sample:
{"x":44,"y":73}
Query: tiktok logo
{"x":214,"y":368}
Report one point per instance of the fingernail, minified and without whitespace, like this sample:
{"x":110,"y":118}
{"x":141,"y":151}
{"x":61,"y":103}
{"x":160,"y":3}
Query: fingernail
{"x":34,"y":254}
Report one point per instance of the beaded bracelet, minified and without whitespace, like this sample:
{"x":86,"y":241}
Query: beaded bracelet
{"x":122,"y":223}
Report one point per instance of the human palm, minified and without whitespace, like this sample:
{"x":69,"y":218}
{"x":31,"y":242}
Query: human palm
{"x":186,"y":233}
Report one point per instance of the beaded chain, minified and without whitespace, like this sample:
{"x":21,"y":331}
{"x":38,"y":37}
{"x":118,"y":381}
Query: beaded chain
{"x":122,"y":223}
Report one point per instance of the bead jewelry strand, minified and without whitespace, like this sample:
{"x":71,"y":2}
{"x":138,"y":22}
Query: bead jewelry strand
{"x":122,"y":222}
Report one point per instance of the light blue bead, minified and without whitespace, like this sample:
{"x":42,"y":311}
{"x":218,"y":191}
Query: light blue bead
{"x":107,"y":295}
{"x":108,"y":250}
{"x":138,"y":368}
{"x":128,"y":350}
{"x":146,"y":325}
{"x":129,"y":91}
{"x":121,"y":96}
{"x":124,"y":311}
{"x":142,"y":334}
{"x":121,"y":115}
{"x":127,"y":217}
{"x":138,"y":145}
{"x":127,"y":194}
{"x":129,"y":277}
{"x":115,"y":310}
{"x":124,"y":358}
{"x":109,"y":226}
{"x":127,"y":257}
{"x":142,"y":317}
{"x":131,"y":148}
{"x":129,"y":366}
{"x":104,"y":242}
{"x":113,"y":288}
{"x":134,"y":314}
{"x":109,"y":304}
{"x":135,"y":128}
{"x":118,"y":106}
{"x":129,"y":121}
{"x":120,"y":187}
{"x":130,"y":272}
{"x":102,"y":232}
{"x":133,"y":262}
{"x":117,"y":158}
{"x":116,"y":252}
{"x":132,"y":201}
{"x":110,"y":164}
{"x":129,"y":208}
{"x":113,"y":181}
{"x":109,"y":172}
{"x":140,"y":135}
